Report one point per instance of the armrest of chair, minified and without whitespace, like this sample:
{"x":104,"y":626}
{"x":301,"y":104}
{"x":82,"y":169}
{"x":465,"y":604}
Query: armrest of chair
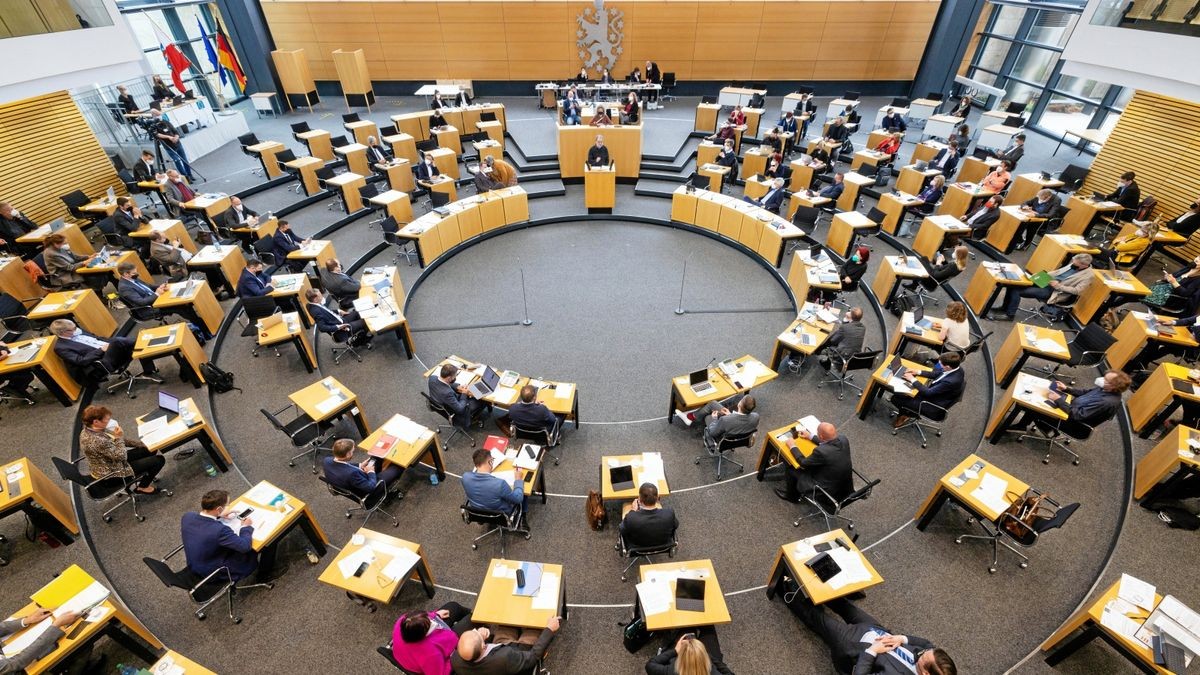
{"x":172,"y":554}
{"x":924,"y":406}
{"x":200,"y":584}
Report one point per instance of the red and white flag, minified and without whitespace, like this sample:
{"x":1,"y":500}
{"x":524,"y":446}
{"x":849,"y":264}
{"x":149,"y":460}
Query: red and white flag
{"x":176,"y":60}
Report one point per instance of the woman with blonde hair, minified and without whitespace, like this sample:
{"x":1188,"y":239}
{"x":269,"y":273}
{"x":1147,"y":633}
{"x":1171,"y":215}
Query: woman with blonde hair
{"x":691,"y":656}
{"x":954,"y":332}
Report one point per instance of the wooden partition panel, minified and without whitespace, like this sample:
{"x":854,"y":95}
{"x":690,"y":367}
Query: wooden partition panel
{"x":1158,"y":138}
{"x":535,"y":39}
{"x":33,"y":179}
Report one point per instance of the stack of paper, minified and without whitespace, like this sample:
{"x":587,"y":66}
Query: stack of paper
{"x":655,"y":596}
{"x":547,"y":595}
{"x":329,"y":404}
{"x":809,"y":423}
{"x":899,"y":385}
{"x":504,"y":395}
{"x":23,"y":640}
{"x":350,"y":564}
{"x":264,"y":493}
{"x":853,"y":569}
{"x":401,"y":564}
{"x":652,"y":468}
{"x":991,"y":492}
{"x":1136,"y":592}
{"x":564,"y":390}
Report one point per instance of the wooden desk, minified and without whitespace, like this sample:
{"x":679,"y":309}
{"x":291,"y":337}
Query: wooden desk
{"x":684,"y":398}
{"x":82,"y":306}
{"x":906,"y":333}
{"x":1088,"y":620}
{"x":227,"y":258}
{"x":931,"y":237}
{"x":624,"y":143}
{"x":15,"y":282}
{"x":318,"y":251}
{"x":565,"y":406}
{"x":754,"y":162}
{"x":170,"y":228}
{"x":435,"y":234}
{"x":1053,"y":251}
{"x":208,"y":206}
{"x":1106,"y":289}
{"x":266,"y":152}
{"x":891,"y":272}
{"x":752,"y":226}
{"x":397,"y":204}
{"x":415,"y":124}
{"x":328,"y":399}
{"x":961,"y":198}
{"x":108,"y":266}
{"x":716,"y":175}
{"x":1024,"y":341}
{"x":178,"y":433}
{"x":912,"y":181}
{"x":802,"y":176}
{"x":382,"y":286}
{"x":973,"y":169}
{"x":1155,"y":401}
{"x":200,"y":297}
{"x":80,"y":244}
{"x":775,"y":450}
{"x":268,"y":498}
{"x":842,"y":231}
{"x":318,"y":143}
{"x":600,"y":187}
{"x":348,"y":184}
{"x":447,"y":137}
{"x":289,"y":290}
{"x":828,"y":146}
{"x":922,"y":108}
{"x":47,"y":367}
{"x":23,"y":484}
{"x":446,"y":161}
{"x":807,"y":198}
{"x":261,"y":228}
{"x":362,"y":130}
{"x":1174,"y":454}
{"x":103,"y":207}
{"x":755,"y":187}
{"x":356,"y":159}
{"x":178,"y":343}
{"x":291,"y":329}
{"x":1015,"y":399}
{"x":495,"y":132}
{"x":706,"y":116}
{"x":1137,"y":330}
{"x":1026,"y":186}
{"x":753,"y":119}
{"x":878,"y":384}
{"x":404,"y":146}
{"x":426,"y":447}
{"x":607,"y":493}
{"x":947,"y":490}
{"x":853,"y":183}
{"x":942,"y":126}
{"x":172,"y":658}
{"x":1083,"y":212}
{"x":894,"y":206}
{"x":926,"y":150}
{"x":375,"y":586}
{"x":790,"y":559}
{"x":399,"y":174}
{"x":497,"y":602}
{"x":1003,"y":233}
{"x":869,"y":157}
{"x":715,"y":611}
{"x":805,"y":274}
{"x":307,"y":167}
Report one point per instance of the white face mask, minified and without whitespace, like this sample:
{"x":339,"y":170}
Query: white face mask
{"x":1099,"y":381}
{"x":66,"y":247}
{"x":1140,"y":233}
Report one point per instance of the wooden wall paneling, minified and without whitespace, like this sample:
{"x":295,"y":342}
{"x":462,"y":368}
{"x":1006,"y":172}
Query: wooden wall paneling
{"x":22,"y":18}
{"x":32,"y":179}
{"x":58,"y":15}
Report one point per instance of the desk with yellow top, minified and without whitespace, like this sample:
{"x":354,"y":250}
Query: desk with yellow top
{"x":1168,"y":387}
{"x":319,"y":251}
{"x":1084,"y":212}
{"x":806,"y":334}
{"x":226,"y":257}
{"x":1027,"y":392}
{"x":961,"y":198}
{"x":108,"y":266}
{"x":775,"y":450}
{"x":1175,"y":458}
{"x":641,"y":474}
{"x":806,"y":275}
{"x":1024,"y":341}
{"x":276,"y":513}
{"x":288,"y":327}
{"x":23,"y":484}
{"x":382,"y":289}
{"x":199,"y":296}
{"x":83,"y":307}
{"x":624,"y":143}
{"x":190,"y":425}
{"x":562,"y":398}
{"x":207,"y":206}
{"x":175,"y":341}
{"x":266,"y":151}
{"x":403,"y":442}
{"x":959,"y":485}
{"x":46,"y":366}
{"x":907,"y":332}
{"x":883,"y":380}
{"x":257,"y":229}
{"x":170,"y":228}
{"x":1054,"y":250}
{"x":671,"y":617}
{"x":80,"y":244}
{"x":843,"y":231}
{"x":894,"y":205}
{"x":465,"y":219}
{"x":729,"y":377}
{"x":1108,"y":288}
{"x":499,"y":603}
{"x":328,"y":399}
{"x":1137,"y":330}
{"x":391,"y":563}
{"x":752,"y":226}
{"x":17,"y":283}
{"x":896,"y":268}
{"x":790,"y":562}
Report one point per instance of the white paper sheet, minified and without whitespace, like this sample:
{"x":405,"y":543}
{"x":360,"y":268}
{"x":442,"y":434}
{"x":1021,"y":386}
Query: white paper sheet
{"x":564,"y":390}
{"x":853,"y":569}
{"x":401,"y":564}
{"x":1136,"y":592}
{"x":502,"y":571}
{"x":349,"y":565}
{"x":504,"y":395}
{"x":263,"y":493}
{"x":84,"y":600}
{"x":1119,"y":624}
{"x":655,"y":596}
{"x":509,"y":476}
{"x":329,"y":404}
{"x":809,"y":423}
{"x":547,"y":595}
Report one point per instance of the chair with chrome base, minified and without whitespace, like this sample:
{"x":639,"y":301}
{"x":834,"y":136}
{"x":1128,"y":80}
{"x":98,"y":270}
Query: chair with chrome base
{"x":1087,"y":350}
{"x":203,"y":591}
{"x":547,"y":438}
{"x":844,"y":377}
{"x":1021,"y":533}
{"x":406,"y":248}
{"x":825,"y":505}
{"x":928,"y":416}
{"x":727,"y":444}
{"x":255,"y":308}
{"x":449,"y":417}
{"x":635,"y":554}
{"x":369,"y":504}
{"x":1059,"y":434}
{"x":105,"y":487}
{"x":303,"y":432}
{"x":126,"y":379}
{"x":501,"y":523}
{"x":1045,"y":313}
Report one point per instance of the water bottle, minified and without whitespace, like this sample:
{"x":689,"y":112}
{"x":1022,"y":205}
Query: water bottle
{"x":123,"y":669}
{"x":433,"y":479}
{"x":210,"y":470}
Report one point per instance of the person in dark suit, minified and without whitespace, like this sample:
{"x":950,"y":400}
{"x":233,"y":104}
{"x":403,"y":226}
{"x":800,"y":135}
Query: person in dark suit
{"x":598,"y":154}
{"x":436,"y":121}
{"x":238,"y":214}
{"x":653,"y":74}
{"x":571,"y":109}
{"x":340,"y":285}
{"x":773,"y":199}
{"x":285,"y":241}
{"x":857,"y":641}
{"x":210,"y":541}
{"x":426,"y":170}
{"x":1092,"y":405}
{"x":136,"y":293}
{"x":648,"y":524}
{"x":376,"y":152}
{"x":253,"y":282}
{"x":78,"y":349}
{"x":733,"y":416}
{"x":853,"y":269}
{"x":513,"y":651}
{"x":728,"y":157}
{"x":837,"y":131}
{"x":946,"y":385}
{"x":80,"y":661}
{"x":846,"y":340}
{"x":528,"y":413}
{"x":828,"y":466}
{"x":1187,"y":223}
{"x":13,"y":224}
{"x":129,"y":105}
{"x":128,"y":218}
{"x":806,"y":106}
{"x":892,"y":122}
{"x":437,"y":103}
{"x":361,"y":478}
{"x":984,"y":217}
{"x":1014,"y":152}
{"x":946,"y":160}
{"x":1127,"y":194}
{"x":788,"y":122}
{"x":635,"y":76}
{"x":160,"y":90}
{"x":335,"y":322}
{"x":485,"y":491}
{"x":455,"y":399}
{"x":144,"y":169}
{"x":834,"y":190}
{"x":605,"y":76}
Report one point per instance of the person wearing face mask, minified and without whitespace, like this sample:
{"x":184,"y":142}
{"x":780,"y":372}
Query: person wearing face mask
{"x":426,"y":171}
{"x":1185,"y":288}
{"x":893,"y":122}
{"x":998,"y":179}
{"x":63,"y":264}
{"x":136,"y":293}
{"x":1127,"y":194}
{"x":80,"y":349}
{"x":929,"y":198}
{"x":982,"y":218}
{"x":1126,"y":249}
{"x":946,"y":159}
{"x":13,"y":224}
{"x":945,"y":386}
{"x":571,"y":109}
{"x":1043,"y":205}
{"x":1066,"y":281}
{"x":1092,"y":405}
{"x":853,"y":269}
{"x":128,"y":219}
{"x":110,"y":454}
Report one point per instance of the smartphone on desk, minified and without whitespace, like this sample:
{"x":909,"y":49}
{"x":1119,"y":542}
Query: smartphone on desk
{"x":245,"y":514}
{"x":362,"y":568}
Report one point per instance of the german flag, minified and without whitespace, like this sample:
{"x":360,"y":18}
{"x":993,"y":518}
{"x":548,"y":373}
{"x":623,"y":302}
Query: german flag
{"x":228,"y":59}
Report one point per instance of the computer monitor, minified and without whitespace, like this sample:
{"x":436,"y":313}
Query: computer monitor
{"x":708,"y":99}
{"x":900,"y":102}
{"x":850,"y":95}
{"x":487,"y":117}
{"x":1014,"y":107}
{"x":1015,"y":121}
{"x":1073,"y":176}
{"x":426,"y":146}
{"x":934,"y":96}
{"x":438,"y":198}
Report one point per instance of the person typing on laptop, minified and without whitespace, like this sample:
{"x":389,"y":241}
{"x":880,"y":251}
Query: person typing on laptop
{"x":943,"y":390}
{"x":137,"y":294}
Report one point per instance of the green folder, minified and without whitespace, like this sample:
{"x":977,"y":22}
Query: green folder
{"x":1041,"y":279}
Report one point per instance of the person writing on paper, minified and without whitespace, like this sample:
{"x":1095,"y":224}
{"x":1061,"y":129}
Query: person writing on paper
{"x":80,"y":661}
{"x":253,"y":282}
{"x":858,"y":642}
{"x":363,"y":477}
{"x":598,"y":154}
{"x":828,"y":466}
{"x":111,"y":455}
{"x":512,"y":651}
{"x":528,"y":413}
{"x":457,"y":400}
{"x":1066,"y":282}
{"x":1091,"y":406}
{"x":422,"y":642}
{"x":437,"y":122}
{"x":734,"y":416}
{"x":486,"y":491}
{"x":696,"y":652}
{"x":137,"y":294}
{"x":772,"y":200}
{"x":216,"y":538}
{"x":648,"y":524}
{"x":943,"y":390}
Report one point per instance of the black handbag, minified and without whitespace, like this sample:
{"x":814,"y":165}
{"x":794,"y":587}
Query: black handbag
{"x":635,"y":635}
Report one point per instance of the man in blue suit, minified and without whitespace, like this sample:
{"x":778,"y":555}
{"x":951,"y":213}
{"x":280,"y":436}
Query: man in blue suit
{"x":135,"y":293}
{"x":209,"y":543}
{"x":946,"y":160}
{"x":253,"y":283}
{"x":528,"y":413}
{"x":79,"y":349}
{"x":347,"y":326}
{"x":285,"y":242}
{"x":773,"y":199}
{"x":361,"y":478}
{"x":455,"y":399}
{"x":486,"y":491}
{"x":946,"y":384}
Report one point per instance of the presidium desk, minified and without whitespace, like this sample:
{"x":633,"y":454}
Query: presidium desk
{"x":624,"y":143}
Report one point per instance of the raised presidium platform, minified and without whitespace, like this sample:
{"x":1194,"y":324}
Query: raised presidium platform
{"x":442,"y":229}
{"x":752,"y":226}
{"x":624,"y":143}
{"x":488,"y":118}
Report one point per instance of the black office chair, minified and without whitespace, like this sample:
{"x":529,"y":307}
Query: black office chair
{"x":725,"y":446}
{"x":928,"y":416}
{"x":844,"y":375}
{"x":643,"y":553}
{"x":1058,"y":434}
{"x":76,"y":199}
{"x":668,"y":85}
{"x":143,"y":315}
{"x":831,"y":509}
{"x":350,"y":118}
{"x":546,"y":438}
{"x":303,"y":432}
{"x":437,"y":198}
{"x":339,"y":142}
{"x":500,"y":523}
{"x":389,"y":130}
{"x":264,"y":250}
{"x":344,"y":343}
{"x":281,"y":159}
{"x":449,"y":417}
{"x":404,"y":247}
{"x":1087,"y":350}
{"x":1048,"y":312}
{"x":975,"y":345}
{"x":1021,"y":534}
{"x":386,"y":652}
{"x":366,"y":193}
{"x":368,"y":504}
{"x":323,"y":175}
{"x":246,"y":140}
{"x":255,"y":308}
{"x":107,"y":487}
{"x":204,"y":591}
{"x":300,"y":128}
{"x":805,"y":218}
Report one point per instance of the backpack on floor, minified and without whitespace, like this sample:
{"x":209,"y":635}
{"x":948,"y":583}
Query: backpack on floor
{"x":219,"y":381}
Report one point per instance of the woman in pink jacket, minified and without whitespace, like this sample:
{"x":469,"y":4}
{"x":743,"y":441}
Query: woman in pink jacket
{"x":423,"y":641}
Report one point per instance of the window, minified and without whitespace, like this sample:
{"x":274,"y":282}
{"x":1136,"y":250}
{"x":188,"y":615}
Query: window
{"x":24,"y":17}
{"x":1086,"y":89}
{"x":992,"y":54}
{"x":1034,"y":65}
{"x":1052,"y":28}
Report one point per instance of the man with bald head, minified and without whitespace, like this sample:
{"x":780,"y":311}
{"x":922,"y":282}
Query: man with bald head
{"x":513,"y":651}
{"x":828,"y":466}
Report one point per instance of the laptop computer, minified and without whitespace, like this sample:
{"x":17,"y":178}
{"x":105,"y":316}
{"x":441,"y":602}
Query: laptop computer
{"x":699,"y":381}
{"x":57,"y":224}
{"x":110,"y":194}
{"x":921,"y":165}
{"x":896,"y":366}
{"x":486,"y":384}
{"x":168,"y":406}
{"x":689,"y":595}
{"x":1099,"y":196}
{"x":920,"y":320}
{"x":621,"y":477}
